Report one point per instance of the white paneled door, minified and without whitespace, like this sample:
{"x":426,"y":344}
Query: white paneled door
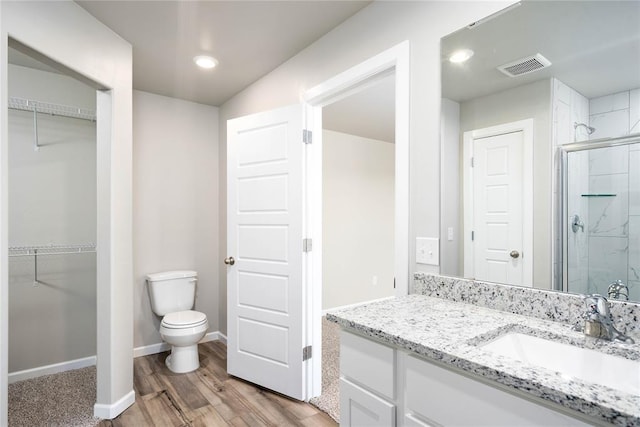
{"x":265,"y":294}
{"x":498,"y":230}
{"x":498,"y":203}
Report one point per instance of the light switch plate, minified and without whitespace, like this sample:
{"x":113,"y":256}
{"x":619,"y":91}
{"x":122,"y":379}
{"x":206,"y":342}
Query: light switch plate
{"x":427,"y":250}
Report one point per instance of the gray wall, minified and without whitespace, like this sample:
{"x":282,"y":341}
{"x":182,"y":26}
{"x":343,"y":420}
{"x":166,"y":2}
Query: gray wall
{"x":175,"y":202}
{"x":52,"y":200}
{"x":451,"y":181}
{"x":374,"y":29}
{"x":524,"y":102}
{"x":357,"y":212}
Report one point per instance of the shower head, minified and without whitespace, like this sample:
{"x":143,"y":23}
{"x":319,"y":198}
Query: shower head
{"x":589,"y":129}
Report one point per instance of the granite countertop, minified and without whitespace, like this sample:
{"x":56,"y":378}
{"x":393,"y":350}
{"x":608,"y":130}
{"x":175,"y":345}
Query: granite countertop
{"x":450,"y":332}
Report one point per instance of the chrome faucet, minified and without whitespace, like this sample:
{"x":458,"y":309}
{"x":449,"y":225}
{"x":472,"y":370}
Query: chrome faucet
{"x":598,"y":321}
{"x":618,"y":290}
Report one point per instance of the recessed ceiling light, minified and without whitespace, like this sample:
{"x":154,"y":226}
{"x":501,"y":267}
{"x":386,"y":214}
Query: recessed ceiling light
{"x":204,"y":61}
{"x":460,"y":56}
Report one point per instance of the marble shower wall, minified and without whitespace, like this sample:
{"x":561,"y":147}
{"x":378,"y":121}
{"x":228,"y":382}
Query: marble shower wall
{"x":615,"y":115}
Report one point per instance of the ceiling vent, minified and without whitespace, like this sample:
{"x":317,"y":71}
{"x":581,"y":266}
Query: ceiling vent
{"x":525,"y":65}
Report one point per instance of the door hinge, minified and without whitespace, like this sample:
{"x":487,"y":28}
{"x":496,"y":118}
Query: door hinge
{"x":472,"y":162}
{"x":307,"y":136}
{"x":306,"y":353}
{"x":307,"y":245}
{"x":472,"y":236}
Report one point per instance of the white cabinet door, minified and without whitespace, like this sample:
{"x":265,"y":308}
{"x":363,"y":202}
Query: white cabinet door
{"x":360,"y":408}
{"x":264,"y":236}
{"x":368,"y":363}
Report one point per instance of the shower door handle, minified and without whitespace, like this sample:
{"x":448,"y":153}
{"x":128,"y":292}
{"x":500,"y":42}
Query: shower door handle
{"x":229,"y":260}
{"x":514,"y":254}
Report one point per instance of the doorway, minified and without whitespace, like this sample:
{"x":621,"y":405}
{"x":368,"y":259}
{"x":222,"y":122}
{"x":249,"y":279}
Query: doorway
{"x":393,"y":62}
{"x":358,"y":166}
{"x":498,"y":196}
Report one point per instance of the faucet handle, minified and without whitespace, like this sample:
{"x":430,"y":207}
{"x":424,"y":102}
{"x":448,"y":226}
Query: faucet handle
{"x":597,"y":305}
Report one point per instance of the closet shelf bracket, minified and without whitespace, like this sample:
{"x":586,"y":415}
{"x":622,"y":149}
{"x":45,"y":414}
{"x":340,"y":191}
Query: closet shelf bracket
{"x":36,"y":251}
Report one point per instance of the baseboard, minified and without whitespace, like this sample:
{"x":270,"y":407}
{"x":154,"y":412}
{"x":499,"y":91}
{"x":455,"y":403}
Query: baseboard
{"x":70,"y":365}
{"x":329,"y":310}
{"x":51,"y":369}
{"x":160,"y":347}
{"x":111,"y":411}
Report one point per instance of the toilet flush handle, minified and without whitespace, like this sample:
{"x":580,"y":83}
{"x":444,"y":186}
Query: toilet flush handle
{"x":229,"y":260}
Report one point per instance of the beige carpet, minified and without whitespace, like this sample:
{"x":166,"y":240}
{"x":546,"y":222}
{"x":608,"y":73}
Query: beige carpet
{"x":329,"y":400}
{"x":64,"y":399}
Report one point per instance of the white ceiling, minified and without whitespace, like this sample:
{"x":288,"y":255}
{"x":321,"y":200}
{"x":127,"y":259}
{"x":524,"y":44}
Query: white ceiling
{"x":249,"y":39}
{"x":593,"y":46}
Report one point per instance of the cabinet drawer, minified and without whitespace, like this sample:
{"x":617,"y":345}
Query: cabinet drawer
{"x":359,"y":407}
{"x":368,"y":363}
{"x":438,"y":396}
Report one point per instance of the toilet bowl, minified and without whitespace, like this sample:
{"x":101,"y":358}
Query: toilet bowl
{"x":183,"y":330}
{"x":172,"y":295}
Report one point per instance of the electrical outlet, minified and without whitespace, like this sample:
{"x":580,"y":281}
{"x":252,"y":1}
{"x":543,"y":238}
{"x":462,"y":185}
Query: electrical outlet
{"x":427,"y":250}
{"x":374,"y":280}
{"x":450,"y":234}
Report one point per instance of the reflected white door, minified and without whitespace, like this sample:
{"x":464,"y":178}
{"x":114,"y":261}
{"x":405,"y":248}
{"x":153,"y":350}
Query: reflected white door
{"x":498,"y":208}
{"x":498,"y":217}
{"x":264,"y":236}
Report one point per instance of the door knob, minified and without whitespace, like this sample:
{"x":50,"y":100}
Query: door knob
{"x":514,"y":254}
{"x":229,"y":260}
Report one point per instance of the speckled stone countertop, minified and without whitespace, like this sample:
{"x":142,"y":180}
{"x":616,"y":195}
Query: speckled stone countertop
{"x":450,"y":332}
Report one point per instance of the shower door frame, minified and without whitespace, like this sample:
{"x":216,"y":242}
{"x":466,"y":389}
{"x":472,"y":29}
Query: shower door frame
{"x":564,"y":190}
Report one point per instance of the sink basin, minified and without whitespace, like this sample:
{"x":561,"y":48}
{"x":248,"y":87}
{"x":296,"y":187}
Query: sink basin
{"x":585,"y":364}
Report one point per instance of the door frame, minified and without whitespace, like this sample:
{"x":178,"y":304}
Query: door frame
{"x":526,"y":127}
{"x":394,"y":60}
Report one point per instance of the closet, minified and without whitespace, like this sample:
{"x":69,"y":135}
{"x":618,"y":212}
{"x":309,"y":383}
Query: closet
{"x":52,"y":220}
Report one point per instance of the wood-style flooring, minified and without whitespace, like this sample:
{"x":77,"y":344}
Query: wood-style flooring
{"x":208,"y":397}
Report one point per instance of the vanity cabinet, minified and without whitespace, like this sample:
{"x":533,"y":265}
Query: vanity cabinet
{"x":367,"y":382}
{"x":383,"y":386}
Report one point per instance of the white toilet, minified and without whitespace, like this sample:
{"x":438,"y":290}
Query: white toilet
{"x":172,"y":295}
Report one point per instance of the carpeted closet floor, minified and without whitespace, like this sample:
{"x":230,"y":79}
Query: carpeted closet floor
{"x":329,"y":400}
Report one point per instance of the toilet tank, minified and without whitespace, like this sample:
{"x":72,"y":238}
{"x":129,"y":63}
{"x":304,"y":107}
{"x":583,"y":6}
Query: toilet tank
{"x":171,"y":291}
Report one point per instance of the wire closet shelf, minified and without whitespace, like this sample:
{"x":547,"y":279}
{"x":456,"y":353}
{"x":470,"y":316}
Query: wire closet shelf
{"x":21,"y":251}
{"x":52,"y":109}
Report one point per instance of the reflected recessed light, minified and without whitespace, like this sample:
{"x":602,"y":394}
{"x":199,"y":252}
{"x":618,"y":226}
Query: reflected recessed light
{"x":204,"y":61}
{"x":460,"y":56}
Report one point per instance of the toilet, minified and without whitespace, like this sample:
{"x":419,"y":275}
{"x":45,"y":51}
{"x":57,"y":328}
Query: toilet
{"x":173,"y":295}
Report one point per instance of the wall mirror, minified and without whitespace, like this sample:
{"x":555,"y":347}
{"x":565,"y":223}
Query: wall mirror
{"x":539,"y":129}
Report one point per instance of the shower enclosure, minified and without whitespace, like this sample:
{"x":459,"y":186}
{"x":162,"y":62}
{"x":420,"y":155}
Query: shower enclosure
{"x":601,"y":215}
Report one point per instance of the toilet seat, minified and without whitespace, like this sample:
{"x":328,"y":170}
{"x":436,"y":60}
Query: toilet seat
{"x":184,"y":319}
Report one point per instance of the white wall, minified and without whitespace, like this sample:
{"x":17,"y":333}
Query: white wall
{"x":175,"y":208}
{"x":358,"y":219}
{"x":524,"y":102}
{"x":374,"y":29}
{"x":66,"y":33}
{"x":52,"y":200}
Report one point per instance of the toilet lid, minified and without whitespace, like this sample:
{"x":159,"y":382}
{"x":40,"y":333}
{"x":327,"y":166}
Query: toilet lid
{"x":182,"y":319}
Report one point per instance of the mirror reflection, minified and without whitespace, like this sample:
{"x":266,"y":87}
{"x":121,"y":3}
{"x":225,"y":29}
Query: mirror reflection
{"x":529,"y":96}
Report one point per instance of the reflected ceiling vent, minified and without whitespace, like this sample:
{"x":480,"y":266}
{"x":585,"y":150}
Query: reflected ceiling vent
{"x":525,"y":65}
